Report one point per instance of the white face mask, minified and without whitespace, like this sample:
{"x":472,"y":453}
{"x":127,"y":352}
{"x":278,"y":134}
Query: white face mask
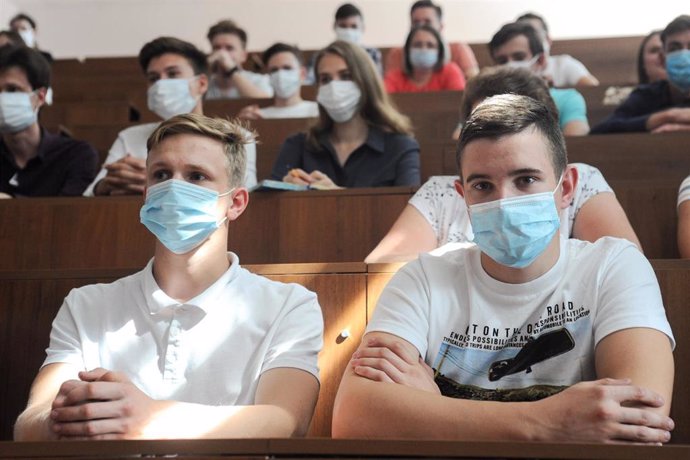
{"x":171,"y":96}
{"x":28,"y":36}
{"x":528,"y":64}
{"x":349,"y":34}
{"x":340,"y":98}
{"x":16,"y":112}
{"x":286,"y":82}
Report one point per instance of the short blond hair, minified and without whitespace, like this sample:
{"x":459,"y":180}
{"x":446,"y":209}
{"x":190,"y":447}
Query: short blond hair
{"x":231,"y":133}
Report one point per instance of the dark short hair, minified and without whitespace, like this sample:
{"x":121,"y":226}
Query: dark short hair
{"x":32,"y":62}
{"x":509,"y":114}
{"x":642,"y":77}
{"x":227,"y":26}
{"x":492,"y":81}
{"x":408,"y":44}
{"x":427,"y":4}
{"x":680,"y":24}
{"x":281,"y":48}
{"x":25,"y":17}
{"x":14,"y":37}
{"x":530,"y":15}
{"x":163,"y":45}
{"x":512,"y":30}
{"x":347,"y":10}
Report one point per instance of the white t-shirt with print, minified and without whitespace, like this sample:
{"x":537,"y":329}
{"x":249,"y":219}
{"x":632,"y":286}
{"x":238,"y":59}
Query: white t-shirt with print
{"x":132,"y":141}
{"x":446,"y":211}
{"x":209,"y":350}
{"x":487,"y":339}
{"x":684,"y":191}
{"x":303,"y":109}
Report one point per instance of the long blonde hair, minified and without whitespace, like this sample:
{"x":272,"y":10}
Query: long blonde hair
{"x":375,"y":107}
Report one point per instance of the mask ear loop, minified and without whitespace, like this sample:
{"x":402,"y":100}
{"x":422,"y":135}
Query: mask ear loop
{"x":224,"y":219}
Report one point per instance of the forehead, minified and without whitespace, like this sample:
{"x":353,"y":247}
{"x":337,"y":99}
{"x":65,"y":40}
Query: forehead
{"x":180,"y":150}
{"x":226,"y":40}
{"x":519,"y":43}
{"x":162,"y":62}
{"x":15,"y":76}
{"x":331,"y":63}
{"x":424,"y":36}
{"x":21,"y":24}
{"x":282,"y":58}
{"x":680,"y":38}
{"x":424,"y":13}
{"x":654,"y":41}
{"x":528,"y":149}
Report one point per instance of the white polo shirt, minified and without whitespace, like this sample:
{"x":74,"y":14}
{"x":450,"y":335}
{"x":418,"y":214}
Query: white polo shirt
{"x":210,"y":350}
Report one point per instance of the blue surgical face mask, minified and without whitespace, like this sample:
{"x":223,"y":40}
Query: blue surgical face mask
{"x":180,"y":214}
{"x":16,"y":112}
{"x":423,"y":58}
{"x":515,"y":231}
{"x":171,"y":96}
{"x":678,"y":69}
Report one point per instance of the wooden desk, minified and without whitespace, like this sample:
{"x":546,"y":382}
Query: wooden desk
{"x":334,"y":449}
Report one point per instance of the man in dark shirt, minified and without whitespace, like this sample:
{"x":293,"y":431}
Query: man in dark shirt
{"x":34,"y":162}
{"x":664,"y":105}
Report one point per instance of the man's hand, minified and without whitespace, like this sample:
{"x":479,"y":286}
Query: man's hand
{"x":385,"y":359}
{"x":221,"y":61}
{"x":674,"y":116}
{"x":669,"y":127}
{"x":126,"y":176}
{"x":102,"y":405}
{"x":601,"y":411}
{"x":251,"y":112}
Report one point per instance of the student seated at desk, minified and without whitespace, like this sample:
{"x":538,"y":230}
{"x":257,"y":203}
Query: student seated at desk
{"x":287,"y":72}
{"x":193,"y":345}
{"x":176,"y":74}
{"x":663,"y":105}
{"x":684,"y":219}
{"x":437,"y":215}
{"x":526,"y":335}
{"x":425,"y":68}
{"x":360,"y":139}
{"x":33,"y":161}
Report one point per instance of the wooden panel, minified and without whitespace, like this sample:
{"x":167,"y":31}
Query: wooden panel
{"x":93,"y":113}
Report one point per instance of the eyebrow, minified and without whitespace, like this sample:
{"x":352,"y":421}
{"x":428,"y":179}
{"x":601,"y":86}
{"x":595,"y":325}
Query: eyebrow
{"x":516,"y":172}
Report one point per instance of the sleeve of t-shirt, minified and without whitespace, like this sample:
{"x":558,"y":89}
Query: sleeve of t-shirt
{"x":464,"y":57}
{"x":684,"y":191}
{"x":299,"y":337}
{"x":407,"y":169}
{"x":428,"y":202}
{"x":83,"y":165}
{"x":290,"y":156}
{"x":573,"y":108}
{"x":575,"y":70}
{"x":116,"y":152}
{"x":403,"y":307}
{"x":453,"y":79}
{"x":630,"y":296}
{"x":65,"y":345}
{"x":250,"y":175}
{"x":393,"y":81}
{"x":263,"y":82}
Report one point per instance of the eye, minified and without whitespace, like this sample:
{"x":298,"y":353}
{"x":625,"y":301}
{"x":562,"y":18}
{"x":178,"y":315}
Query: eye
{"x":160,"y":175}
{"x":501,"y":60}
{"x":482,"y":186}
{"x":196,"y":176}
{"x":153,"y":78}
{"x":345,"y":75}
{"x":525,"y":181}
{"x":324,"y":79}
{"x":173,"y":73}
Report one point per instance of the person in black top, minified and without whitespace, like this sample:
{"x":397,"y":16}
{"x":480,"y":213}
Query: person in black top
{"x":34,"y":162}
{"x":360,"y":139}
{"x":663,"y":105}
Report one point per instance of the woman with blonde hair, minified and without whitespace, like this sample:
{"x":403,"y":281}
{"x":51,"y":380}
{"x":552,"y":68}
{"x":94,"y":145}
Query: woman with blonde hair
{"x":360,"y":139}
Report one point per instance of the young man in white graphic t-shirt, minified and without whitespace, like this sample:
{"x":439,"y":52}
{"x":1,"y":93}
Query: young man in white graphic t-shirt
{"x":526,"y":335}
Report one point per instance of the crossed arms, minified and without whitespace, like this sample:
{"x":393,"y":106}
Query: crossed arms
{"x":101,"y":404}
{"x":388,"y":392}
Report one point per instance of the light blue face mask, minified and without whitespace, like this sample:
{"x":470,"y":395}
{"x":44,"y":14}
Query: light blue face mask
{"x":180,"y":214}
{"x":423,"y":58}
{"x":678,"y":69}
{"x":515,"y":231}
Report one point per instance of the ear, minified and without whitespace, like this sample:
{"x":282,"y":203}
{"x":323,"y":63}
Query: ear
{"x":202,"y":82}
{"x":240,"y":200}
{"x":459,"y":188}
{"x":566,"y":194}
{"x":243,"y":57}
{"x":41,"y":97}
{"x":541,"y":61}
{"x":302,"y":73}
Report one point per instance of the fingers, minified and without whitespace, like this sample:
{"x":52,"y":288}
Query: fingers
{"x":93,"y":374}
{"x":645,"y":417}
{"x":392,"y":371}
{"x":395,"y":346}
{"x":90,"y":411}
{"x":126,"y":172}
{"x":640,"y":434}
{"x":88,"y":392}
{"x":298,"y":176}
{"x":635,"y":394}
{"x":89,"y":429}
{"x":372,"y":374}
{"x":136,"y":163}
